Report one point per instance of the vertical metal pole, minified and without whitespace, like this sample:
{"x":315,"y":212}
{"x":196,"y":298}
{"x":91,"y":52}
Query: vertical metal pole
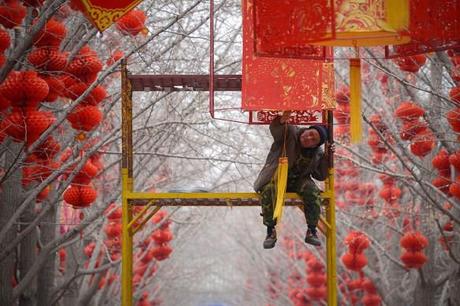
{"x":330,"y":217}
{"x":126,"y":187}
{"x":211,"y":58}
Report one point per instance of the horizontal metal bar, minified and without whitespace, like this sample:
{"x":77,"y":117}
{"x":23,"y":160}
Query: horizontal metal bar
{"x":184,"y":82}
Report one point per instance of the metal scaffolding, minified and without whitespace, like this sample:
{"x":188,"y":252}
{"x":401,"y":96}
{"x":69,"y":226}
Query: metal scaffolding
{"x":152,"y":202}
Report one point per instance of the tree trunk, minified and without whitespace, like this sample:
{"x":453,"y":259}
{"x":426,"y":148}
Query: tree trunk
{"x":10,"y":197}
{"x":46,"y":276}
{"x":28,"y":253}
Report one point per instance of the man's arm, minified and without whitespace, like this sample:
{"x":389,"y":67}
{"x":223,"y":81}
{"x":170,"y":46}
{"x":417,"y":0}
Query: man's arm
{"x":277,"y":126}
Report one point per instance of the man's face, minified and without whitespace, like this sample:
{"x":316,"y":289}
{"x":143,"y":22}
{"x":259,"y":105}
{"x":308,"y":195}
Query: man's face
{"x":310,"y":138}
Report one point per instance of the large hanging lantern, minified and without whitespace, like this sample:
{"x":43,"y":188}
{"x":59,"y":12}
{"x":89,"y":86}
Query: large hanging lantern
{"x":24,"y":88}
{"x":80,"y":196}
{"x":85,"y":118}
{"x":298,"y":29}
{"x":12,"y":13}
{"x":132,"y":23}
{"x":282,"y":83}
{"x":103,"y":13}
{"x":48,"y":59}
{"x":51,"y":34}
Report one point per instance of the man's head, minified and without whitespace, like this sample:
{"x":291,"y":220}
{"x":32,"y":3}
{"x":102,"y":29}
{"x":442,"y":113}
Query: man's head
{"x":313,"y":137}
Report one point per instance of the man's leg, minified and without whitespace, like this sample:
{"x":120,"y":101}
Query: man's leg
{"x":267,"y":195}
{"x":311,"y":197}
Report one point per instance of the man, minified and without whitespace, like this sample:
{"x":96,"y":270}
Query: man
{"x":306,"y":160}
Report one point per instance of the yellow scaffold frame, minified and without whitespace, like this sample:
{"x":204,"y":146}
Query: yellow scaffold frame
{"x":153,"y":202}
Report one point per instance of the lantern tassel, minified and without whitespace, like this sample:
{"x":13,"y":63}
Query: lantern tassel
{"x":281,"y":183}
{"x":355,"y":100}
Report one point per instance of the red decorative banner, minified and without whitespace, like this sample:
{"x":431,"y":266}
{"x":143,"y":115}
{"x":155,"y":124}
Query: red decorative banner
{"x":280,"y":83}
{"x":103,"y":13}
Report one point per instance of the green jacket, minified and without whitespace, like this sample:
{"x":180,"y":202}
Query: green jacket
{"x":318,"y":168}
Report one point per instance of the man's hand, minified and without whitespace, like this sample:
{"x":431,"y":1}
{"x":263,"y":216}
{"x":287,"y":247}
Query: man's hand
{"x":285,"y":117}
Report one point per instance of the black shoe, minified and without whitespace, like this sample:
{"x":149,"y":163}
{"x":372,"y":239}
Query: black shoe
{"x":312,"y":238}
{"x":270,"y":240}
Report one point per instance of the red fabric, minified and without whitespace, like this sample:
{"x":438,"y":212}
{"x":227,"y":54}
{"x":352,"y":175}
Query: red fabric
{"x":282,"y":84}
{"x":280,"y":27}
{"x":103,"y":13}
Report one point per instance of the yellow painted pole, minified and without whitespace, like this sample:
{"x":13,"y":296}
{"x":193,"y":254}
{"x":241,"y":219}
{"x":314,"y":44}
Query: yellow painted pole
{"x":330,"y":219}
{"x":126,"y":188}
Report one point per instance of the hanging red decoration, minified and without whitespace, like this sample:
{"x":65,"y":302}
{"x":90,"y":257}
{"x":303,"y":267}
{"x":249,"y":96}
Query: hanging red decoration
{"x":453,"y":117}
{"x":441,"y":160}
{"x":85,"y":118}
{"x":85,"y":66}
{"x":316,"y":293}
{"x":454,"y":159}
{"x":316,"y":279}
{"x":357,"y":242}
{"x":408,"y":110}
{"x":56,"y":87}
{"x":51,"y":34}
{"x":43,"y":194}
{"x":80,"y":196}
{"x":413,"y":260}
{"x":48,"y":59}
{"x":161,"y":252}
{"x":4,"y":40}
{"x":27,"y":126}
{"x":354,"y":262}
{"x":132,"y":23}
{"x":24,"y":88}
{"x":94,"y":97}
{"x":442,"y":183}
{"x":411,"y":128}
{"x":454,"y":189}
{"x":113,"y":229}
{"x":48,"y":149}
{"x":113,"y":212}
{"x":390,"y":193}
{"x":423,"y":143}
{"x":86,"y":174}
{"x":414,"y":241}
{"x":161,"y":236}
{"x":12,"y":13}
{"x":454,"y":93}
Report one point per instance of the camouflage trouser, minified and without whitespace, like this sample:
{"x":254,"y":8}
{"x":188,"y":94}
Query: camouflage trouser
{"x":306,"y":189}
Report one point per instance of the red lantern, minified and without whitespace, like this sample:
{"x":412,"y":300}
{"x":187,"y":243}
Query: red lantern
{"x":354,"y":262}
{"x":453,"y":117}
{"x":454,"y":189}
{"x":48,"y":149}
{"x":409,"y":111}
{"x":161,"y":252}
{"x":441,"y":160}
{"x":390,"y":193}
{"x":162,"y":236}
{"x":80,"y":196}
{"x":411,"y":63}
{"x":316,"y":293}
{"x":27,"y":126}
{"x":454,"y":94}
{"x":48,"y":59}
{"x":56,"y":88}
{"x":4,"y":40}
{"x":85,"y":66}
{"x":86,"y":174}
{"x":43,"y":194}
{"x":24,"y":88}
{"x":413,"y":260}
{"x":414,"y":241}
{"x":11,"y":14}
{"x":412,"y":128}
{"x":454,"y":159}
{"x":85,"y":118}
{"x":51,"y":34}
{"x":316,"y":279}
{"x":423,"y":143}
{"x":94,"y":97}
{"x":113,"y":229}
{"x":114,"y":212}
{"x":132,"y":23}
{"x":357,"y":242}
{"x":442,"y":184}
